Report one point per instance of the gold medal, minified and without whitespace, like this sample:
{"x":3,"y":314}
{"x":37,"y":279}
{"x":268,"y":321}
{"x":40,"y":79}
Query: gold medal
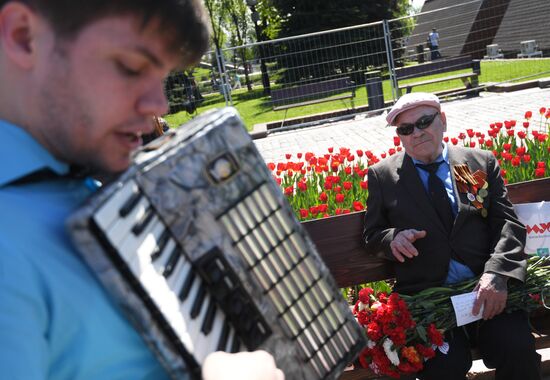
{"x":479,"y":199}
{"x":483,"y":192}
{"x":485,"y":186}
{"x":484,"y":212}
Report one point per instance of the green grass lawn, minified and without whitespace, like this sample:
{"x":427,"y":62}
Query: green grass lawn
{"x":255,"y":108}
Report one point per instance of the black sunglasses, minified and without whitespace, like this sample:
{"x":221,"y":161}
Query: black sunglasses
{"x":422,"y":123}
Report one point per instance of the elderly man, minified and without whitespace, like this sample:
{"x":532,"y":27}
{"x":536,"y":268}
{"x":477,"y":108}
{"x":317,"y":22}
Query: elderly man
{"x":79,"y":84}
{"x":441,"y":215}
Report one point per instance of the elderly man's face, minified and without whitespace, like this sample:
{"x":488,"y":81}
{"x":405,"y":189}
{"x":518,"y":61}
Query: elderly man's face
{"x":423,"y":144}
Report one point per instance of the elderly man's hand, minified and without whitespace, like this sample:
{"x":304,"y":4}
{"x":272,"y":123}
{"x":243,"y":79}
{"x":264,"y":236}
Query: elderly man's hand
{"x":257,"y":365}
{"x":402,"y":244}
{"x":492,"y":293}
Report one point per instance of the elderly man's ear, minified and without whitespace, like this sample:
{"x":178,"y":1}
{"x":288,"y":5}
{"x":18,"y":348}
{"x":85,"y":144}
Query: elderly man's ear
{"x":18,"y":31}
{"x":443,"y":120}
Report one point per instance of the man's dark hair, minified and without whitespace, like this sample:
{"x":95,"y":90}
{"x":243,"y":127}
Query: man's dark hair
{"x":182,"y":22}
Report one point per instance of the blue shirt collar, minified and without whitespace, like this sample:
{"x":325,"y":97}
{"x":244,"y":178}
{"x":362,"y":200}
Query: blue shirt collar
{"x":443,"y":156}
{"x":21,"y":155}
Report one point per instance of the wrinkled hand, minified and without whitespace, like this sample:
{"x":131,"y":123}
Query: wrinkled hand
{"x":257,"y":365}
{"x":402,"y":244}
{"x":492,"y":293}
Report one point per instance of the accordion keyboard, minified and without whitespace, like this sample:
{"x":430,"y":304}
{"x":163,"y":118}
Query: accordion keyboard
{"x":150,"y":253}
{"x":202,"y":252}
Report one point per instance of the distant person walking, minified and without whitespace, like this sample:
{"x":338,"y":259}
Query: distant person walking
{"x":433,"y":42}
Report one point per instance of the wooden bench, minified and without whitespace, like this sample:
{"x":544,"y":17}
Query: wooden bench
{"x":440,"y":66}
{"x":312,"y":93}
{"x":339,"y":241}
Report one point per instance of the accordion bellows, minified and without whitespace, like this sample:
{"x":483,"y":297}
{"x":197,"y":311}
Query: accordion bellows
{"x":199,"y":248}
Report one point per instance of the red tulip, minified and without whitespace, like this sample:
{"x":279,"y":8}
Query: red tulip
{"x":539,"y":172}
{"x":542,"y":110}
{"x":323,"y":197}
{"x":304,"y":213}
{"x":347,"y":185}
{"x":528,"y":115}
{"x":288,"y":155}
{"x":454,"y":141}
{"x":340,"y":198}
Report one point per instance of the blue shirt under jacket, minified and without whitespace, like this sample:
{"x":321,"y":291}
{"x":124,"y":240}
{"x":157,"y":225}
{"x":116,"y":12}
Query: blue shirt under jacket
{"x":457,"y":271}
{"x":56,"y":321}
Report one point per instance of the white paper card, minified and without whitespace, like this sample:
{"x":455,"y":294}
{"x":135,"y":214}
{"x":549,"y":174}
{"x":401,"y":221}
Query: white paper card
{"x":463,"y":305}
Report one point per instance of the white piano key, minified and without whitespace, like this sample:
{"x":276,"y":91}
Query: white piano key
{"x":108,"y":213}
{"x":165,"y":300}
{"x":122,"y":226}
{"x":161,"y":261}
{"x":143,"y":244}
{"x":211,"y":342}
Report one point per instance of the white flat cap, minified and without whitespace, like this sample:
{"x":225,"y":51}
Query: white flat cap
{"x":412,"y":100}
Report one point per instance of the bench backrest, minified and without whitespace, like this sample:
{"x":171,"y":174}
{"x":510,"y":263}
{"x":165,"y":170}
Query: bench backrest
{"x":339,"y":239}
{"x":310,"y":91}
{"x":436,"y":67}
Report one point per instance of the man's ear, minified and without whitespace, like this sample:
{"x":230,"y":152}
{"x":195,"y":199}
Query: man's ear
{"x":18,"y":25}
{"x":443,"y":120}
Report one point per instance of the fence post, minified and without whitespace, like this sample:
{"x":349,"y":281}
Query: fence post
{"x":391,"y":63}
{"x":224,"y":86}
{"x":375,"y":94}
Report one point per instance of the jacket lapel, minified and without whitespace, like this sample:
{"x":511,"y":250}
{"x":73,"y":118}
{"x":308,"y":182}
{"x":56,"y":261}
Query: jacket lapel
{"x":411,"y":180}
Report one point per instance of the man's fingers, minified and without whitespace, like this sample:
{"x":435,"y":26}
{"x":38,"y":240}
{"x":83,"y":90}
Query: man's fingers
{"x":477,"y":306}
{"x":403,"y":248}
{"x":399,"y":257}
{"x":419,"y":234}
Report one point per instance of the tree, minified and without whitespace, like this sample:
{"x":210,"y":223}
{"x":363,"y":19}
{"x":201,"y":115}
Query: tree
{"x":238,"y":14}
{"x":309,"y":16}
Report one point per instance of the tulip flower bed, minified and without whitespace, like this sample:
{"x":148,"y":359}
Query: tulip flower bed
{"x":334,"y":183}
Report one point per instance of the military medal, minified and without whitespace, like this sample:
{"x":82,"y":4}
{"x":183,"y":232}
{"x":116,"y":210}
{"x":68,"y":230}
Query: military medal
{"x":474,"y":185}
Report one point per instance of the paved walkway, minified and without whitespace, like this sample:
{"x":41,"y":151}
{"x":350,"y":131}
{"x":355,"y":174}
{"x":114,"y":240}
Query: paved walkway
{"x":372,"y":133}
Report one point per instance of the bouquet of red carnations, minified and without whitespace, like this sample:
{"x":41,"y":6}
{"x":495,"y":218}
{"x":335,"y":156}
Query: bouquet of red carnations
{"x":405,"y":331}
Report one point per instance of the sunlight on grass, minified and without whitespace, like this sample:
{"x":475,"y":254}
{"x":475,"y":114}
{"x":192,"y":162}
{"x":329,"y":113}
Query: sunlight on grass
{"x":255,"y":108}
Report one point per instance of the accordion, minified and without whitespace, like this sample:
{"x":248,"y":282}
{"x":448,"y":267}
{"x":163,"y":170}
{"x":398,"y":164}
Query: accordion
{"x":198,"y":246}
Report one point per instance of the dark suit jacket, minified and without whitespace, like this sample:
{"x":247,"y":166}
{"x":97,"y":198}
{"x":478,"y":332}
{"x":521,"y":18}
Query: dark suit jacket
{"x":397,"y":201}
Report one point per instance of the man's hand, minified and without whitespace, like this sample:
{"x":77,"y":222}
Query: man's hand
{"x":257,"y":365}
{"x":402,"y":244}
{"x":492,"y":293}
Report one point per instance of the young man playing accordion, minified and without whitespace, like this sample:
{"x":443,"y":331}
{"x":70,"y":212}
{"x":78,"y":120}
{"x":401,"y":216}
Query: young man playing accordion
{"x":80,"y":83}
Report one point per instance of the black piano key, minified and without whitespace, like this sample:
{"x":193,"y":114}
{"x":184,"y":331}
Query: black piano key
{"x":172,"y":261}
{"x":236,"y":345}
{"x":129,"y":205}
{"x":163,"y":240}
{"x":184,"y":292}
{"x":209,"y":317}
{"x":198,"y":301}
{"x":223,"y":337}
{"x":141,"y":224}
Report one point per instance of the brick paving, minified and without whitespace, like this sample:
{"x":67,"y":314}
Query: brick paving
{"x":372,"y":133}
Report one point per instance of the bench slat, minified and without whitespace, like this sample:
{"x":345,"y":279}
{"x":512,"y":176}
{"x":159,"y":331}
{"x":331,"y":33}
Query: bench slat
{"x":296,"y":96}
{"x":437,"y":80}
{"x":315,"y":101}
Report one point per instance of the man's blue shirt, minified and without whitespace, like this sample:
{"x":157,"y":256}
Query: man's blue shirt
{"x":56,"y":321}
{"x":457,"y":271}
